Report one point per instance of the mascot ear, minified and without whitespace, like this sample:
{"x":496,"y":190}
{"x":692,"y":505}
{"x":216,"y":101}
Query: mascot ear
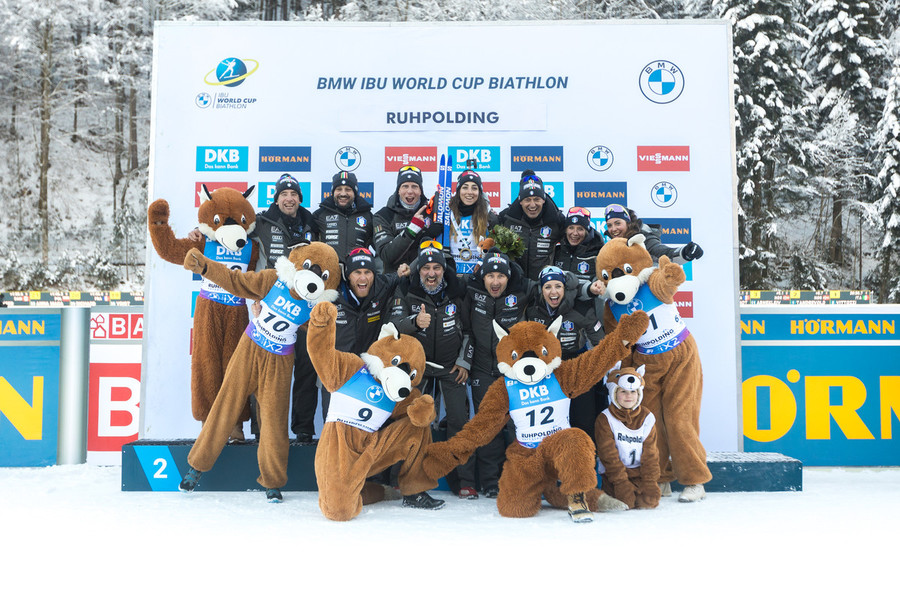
{"x":501,"y":333}
{"x":389,"y":330}
{"x":615,"y":367}
{"x":636,"y":239}
{"x":641,"y":370}
{"x":204,"y":193}
{"x":555,"y":325}
{"x":249,"y":191}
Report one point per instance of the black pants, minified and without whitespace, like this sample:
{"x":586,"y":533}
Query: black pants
{"x":304,"y":393}
{"x":443,"y":388}
{"x":490,"y":457}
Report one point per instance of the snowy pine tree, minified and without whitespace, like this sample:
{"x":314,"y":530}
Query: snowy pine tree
{"x":887,"y":207}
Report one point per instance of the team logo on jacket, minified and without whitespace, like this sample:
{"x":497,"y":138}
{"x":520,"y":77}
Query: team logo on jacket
{"x":450,"y":310}
{"x":545,"y":232}
{"x":511,"y":301}
{"x":568,"y":326}
{"x":361,"y":221}
{"x":583,"y":267}
{"x":661,"y":82}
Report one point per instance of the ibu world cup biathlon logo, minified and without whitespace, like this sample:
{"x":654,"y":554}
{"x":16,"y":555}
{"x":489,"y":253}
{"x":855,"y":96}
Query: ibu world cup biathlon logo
{"x":600,"y":158}
{"x":347,"y":158}
{"x":231,"y":72}
{"x":661,"y":82}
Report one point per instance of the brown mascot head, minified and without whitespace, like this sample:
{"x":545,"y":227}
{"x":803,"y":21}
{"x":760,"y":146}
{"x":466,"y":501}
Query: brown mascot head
{"x":226,"y":216}
{"x":396,"y":361}
{"x":529,"y":352}
{"x":312,"y":272}
{"x":623,"y":265}
{"x":627,"y":378}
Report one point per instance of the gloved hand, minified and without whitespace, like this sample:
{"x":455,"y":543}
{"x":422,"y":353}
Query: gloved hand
{"x":691,"y":251}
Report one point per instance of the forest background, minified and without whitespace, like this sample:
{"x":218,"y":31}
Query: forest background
{"x":817,"y":103}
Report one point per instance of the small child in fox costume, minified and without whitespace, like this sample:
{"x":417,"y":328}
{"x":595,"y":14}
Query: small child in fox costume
{"x":625,"y":434}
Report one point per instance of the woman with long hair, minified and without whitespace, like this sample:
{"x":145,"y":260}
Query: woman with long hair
{"x":471,"y":218}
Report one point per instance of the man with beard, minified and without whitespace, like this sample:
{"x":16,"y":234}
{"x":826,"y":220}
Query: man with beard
{"x":536,"y":219}
{"x":402,"y":225}
{"x":426,"y":307}
{"x":343,"y":219}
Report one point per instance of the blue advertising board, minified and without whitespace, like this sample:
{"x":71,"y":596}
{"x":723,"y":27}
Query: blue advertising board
{"x":29,"y":387}
{"x":822,"y":386}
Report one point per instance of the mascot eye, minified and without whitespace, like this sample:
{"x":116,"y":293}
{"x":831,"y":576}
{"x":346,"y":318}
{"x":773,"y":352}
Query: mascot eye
{"x":544,"y":351}
{"x":515,"y":355}
{"x":604,"y":275}
{"x":396,"y":360}
{"x":412,"y":375}
{"x":628,"y":268}
{"x":243,"y":220}
{"x":324,"y":275}
{"x":216,"y":220}
{"x":307,"y":264}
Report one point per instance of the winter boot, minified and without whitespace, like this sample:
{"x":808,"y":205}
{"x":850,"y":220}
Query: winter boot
{"x":274,"y":495}
{"x":692,"y":493}
{"x":578,"y":508}
{"x":190,"y":480}
{"x":422,"y":500}
{"x":606,"y":503}
{"x":665,"y":489}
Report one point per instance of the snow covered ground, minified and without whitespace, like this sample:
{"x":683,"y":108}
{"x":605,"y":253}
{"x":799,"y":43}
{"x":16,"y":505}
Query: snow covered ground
{"x":70,"y":530}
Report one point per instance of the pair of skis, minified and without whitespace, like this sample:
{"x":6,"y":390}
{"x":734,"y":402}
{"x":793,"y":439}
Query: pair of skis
{"x":445,"y":191}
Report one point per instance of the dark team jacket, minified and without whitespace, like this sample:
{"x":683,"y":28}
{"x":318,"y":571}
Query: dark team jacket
{"x":444,"y":340}
{"x":359,"y":325}
{"x":394,"y":244}
{"x":276,"y":236}
{"x":581,"y":259}
{"x":344,"y":228}
{"x":576,"y":329}
{"x":540,"y":236}
{"x":480,"y":309}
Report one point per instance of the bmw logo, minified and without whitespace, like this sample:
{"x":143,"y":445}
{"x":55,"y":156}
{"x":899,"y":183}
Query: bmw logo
{"x":203,"y":100}
{"x":374,"y":393}
{"x":661,"y":82}
{"x":600,"y":158}
{"x":663,"y":194}
{"x":635,"y":305}
{"x":347,"y":158}
{"x":231,"y":72}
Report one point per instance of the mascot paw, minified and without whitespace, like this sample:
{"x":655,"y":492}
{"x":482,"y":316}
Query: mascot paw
{"x":672,"y":274}
{"x":626,"y":492}
{"x":195,"y":262}
{"x":438,"y":461}
{"x":322,"y":314}
{"x":421,"y":411}
{"x":158,"y":213}
{"x":632,"y":327}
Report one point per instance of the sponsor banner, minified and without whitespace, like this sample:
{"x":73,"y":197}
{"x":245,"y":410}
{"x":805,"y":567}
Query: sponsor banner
{"x":556,"y":190}
{"x":672,"y":231}
{"x":600,"y":193}
{"x":685,"y":303}
{"x":222,"y":158}
{"x":663,"y":158}
{"x":265,"y":194}
{"x":212,"y":186}
{"x":117,"y":326}
{"x":487,"y":158}
{"x":366,"y":191}
{"x":424,"y":157}
{"x":285,"y":159}
{"x":537,"y":158}
{"x":114,"y":398}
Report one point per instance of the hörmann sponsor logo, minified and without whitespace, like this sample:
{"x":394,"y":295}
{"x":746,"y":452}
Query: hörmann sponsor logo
{"x":537,"y":158}
{"x":285,"y":159}
{"x":600,"y":193}
{"x":487,"y":158}
{"x":673,"y":231}
{"x":424,"y":157}
{"x":663,"y":158}
{"x":222,"y":158}
{"x":212,"y":186}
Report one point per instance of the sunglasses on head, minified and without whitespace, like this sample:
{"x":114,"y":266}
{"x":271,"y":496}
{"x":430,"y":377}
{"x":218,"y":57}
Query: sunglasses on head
{"x":577,"y":210}
{"x":431,"y":244}
{"x":616,"y":208}
{"x":410,"y":168}
{"x":356,"y":251}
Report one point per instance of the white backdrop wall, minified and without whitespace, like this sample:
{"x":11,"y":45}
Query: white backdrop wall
{"x":638,"y":113}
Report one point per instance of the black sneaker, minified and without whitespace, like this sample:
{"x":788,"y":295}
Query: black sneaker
{"x":422,"y":500}
{"x":190,"y":479}
{"x":274,"y":495}
{"x":491,"y":491}
{"x":304,"y":439}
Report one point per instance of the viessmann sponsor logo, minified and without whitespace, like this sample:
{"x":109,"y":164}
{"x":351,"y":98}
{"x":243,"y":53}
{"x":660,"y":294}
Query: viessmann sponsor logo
{"x":424,"y":157}
{"x":663,"y":158}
